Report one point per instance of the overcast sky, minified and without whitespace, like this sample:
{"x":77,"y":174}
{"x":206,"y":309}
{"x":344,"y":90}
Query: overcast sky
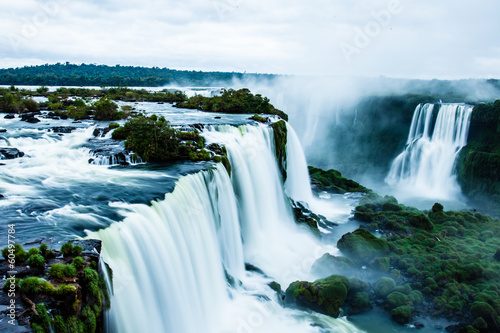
{"x":395,"y":38}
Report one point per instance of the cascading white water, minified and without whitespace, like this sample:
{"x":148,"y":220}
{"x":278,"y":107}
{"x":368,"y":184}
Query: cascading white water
{"x":169,"y":260}
{"x":426,"y":166}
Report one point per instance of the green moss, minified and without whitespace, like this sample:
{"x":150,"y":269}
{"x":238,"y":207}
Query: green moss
{"x":59,"y":325}
{"x":78,"y":262}
{"x":480,"y":324}
{"x":381,"y":264}
{"x":416,"y":297}
{"x":332,"y":181}
{"x":384,"y":286}
{"x":396,"y":299}
{"x":113,"y":125}
{"x":360,"y":303}
{"x":59,"y":271}
{"x":358,"y":285}
{"x":482,"y":309}
{"x":421,"y":221}
{"x":280,"y":140}
{"x":17,"y":250}
{"x":33,"y":251}
{"x":36,"y":261}
{"x":404,"y":289}
{"x":77,"y":250}
{"x":35,"y":285}
{"x":275,"y":286}
{"x":402,"y":314}
{"x":324,"y":295}
{"x":258,"y":118}
{"x":361,"y":244}
{"x":67,"y":249}
{"x":43,"y":320}
{"x":89,"y":319}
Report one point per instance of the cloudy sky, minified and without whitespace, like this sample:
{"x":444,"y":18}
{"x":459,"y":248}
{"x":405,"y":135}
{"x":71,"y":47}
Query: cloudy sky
{"x":395,"y":38}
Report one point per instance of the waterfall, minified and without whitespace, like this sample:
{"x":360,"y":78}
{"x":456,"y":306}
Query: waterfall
{"x":426,"y":166}
{"x":179,"y":264}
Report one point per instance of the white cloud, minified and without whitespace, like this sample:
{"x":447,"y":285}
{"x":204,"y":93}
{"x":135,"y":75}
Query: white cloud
{"x":425,"y":39}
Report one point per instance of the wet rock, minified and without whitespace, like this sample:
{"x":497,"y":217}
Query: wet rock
{"x":3,"y":130}
{"x":9,"y":116}
{"x":33,"y":120}
{"x":10,"y":153}
{"x":63,"y":129}
{"x":100,"y":132}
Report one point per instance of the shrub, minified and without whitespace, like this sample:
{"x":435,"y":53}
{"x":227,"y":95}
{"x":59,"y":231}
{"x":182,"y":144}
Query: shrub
{"x":421,"y":221}
{"x":482,"y":309}
{"x":106,"y":110}
{"x":43,"y":249}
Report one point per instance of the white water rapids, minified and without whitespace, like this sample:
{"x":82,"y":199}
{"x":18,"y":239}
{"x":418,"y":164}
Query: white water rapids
{"x":171,"y":260}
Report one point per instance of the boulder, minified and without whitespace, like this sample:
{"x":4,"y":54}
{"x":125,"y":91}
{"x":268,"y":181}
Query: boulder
{"x":361,"y":244}
{"x":10,"y":153}
{"x":9,"y":116}
{"x":324,"y":295}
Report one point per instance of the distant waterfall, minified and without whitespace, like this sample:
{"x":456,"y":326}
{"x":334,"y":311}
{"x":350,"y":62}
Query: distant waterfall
{"x":426,"y":166}
{"x":179,"y":265}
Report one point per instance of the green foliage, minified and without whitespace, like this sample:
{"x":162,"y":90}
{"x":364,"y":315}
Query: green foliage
{"x":77,"y":250}
{"x":66,"y":291}
{"x":360,"y":303}
{"x":67,"y":74}
{"x":384,"y":286}
{"x":233,"y":101}
{"x":59,"y":271}
{"x":381,"y":264}
{"x":437,"y":207}
{"x":280,"y":138}
{"x":36,"y":261}
{"x":113,"y":125}
{"x":323,"y":295}
{"x":106,"y":110}
{"x":482,"y":309}
{"x":42,"y":321}
{"x":79,"y":110}
{"x":258,"y":118}
{"x":402,"y":314}
{"x":362,"y":244}
{"x":151,"y":138}
{"x":421,"y":221}
{"x":67,"y":249}
{"x":33,"y":251}
{"x":17,"y":250}
{"x":35,"y":285}
{"x":89,"y":319}
{"x":332,"y":181}
{"x":396,"y":299}
{"x":78,"y":262}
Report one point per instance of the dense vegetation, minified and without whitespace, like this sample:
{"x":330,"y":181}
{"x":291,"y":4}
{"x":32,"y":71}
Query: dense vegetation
{"x":97,"y":75}
{"x":450,"y":257}
{"x":479,"y":162}
{"x":233,"y":101}
{"x":60,"y":295}
{"x":332,"y":181}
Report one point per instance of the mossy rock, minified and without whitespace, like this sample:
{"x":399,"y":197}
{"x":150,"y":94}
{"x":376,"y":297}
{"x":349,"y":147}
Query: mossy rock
{"x":357,"y":285}
{"x":396,"y":299}
{"x":382,"y":264}
{"x":468,"y":329}
{"x":480,"y":324}
{"x":482,"y":309}
{"x":328,"y":264}
{"x":402,"y":314}
{"x":421,"y":221}
{"x":360,"y":303}
{"x":384,"y":286}
{"x":404,"y":289}
{"x":324,"y":296}
{"x":361,"y":244}
{"x":391,"y":207}
{"x":416,"y":297}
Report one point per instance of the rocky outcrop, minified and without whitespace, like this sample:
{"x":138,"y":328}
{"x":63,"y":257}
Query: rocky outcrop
{"x":10,"y":153}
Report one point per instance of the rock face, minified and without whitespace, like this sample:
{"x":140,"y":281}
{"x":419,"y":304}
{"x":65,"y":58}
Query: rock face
{"x":10,"y":153}
{"x":323,"y":295}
